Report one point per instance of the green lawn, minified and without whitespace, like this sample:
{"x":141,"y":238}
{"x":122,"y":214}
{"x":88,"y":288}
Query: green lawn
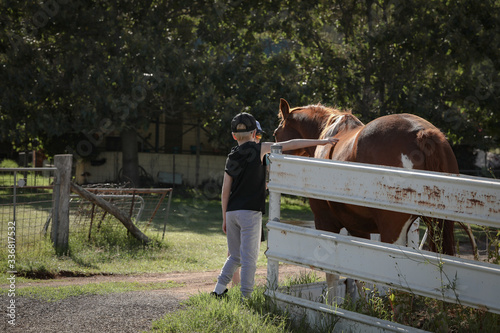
{"x":193,"y":241}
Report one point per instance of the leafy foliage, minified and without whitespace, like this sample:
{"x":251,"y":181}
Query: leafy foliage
{"x":73,"y":69}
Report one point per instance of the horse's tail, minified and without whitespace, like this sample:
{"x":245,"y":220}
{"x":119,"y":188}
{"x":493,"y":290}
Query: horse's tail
{"x":438,"y":156}
{"x":441,"y":236}
{"x":435,"y":151}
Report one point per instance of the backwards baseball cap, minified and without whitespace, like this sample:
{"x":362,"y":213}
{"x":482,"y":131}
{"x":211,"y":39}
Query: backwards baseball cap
{"x":245,"y":119}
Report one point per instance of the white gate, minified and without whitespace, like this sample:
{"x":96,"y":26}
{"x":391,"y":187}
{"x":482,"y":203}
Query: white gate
{"x":459,"y":198}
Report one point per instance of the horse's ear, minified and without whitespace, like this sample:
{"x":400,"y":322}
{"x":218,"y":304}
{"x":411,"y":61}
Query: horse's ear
{"x":284,"y":108}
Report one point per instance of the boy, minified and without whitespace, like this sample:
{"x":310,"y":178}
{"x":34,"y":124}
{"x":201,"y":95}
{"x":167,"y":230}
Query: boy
{"x":258,"y":136}
{"x":243,"y":200}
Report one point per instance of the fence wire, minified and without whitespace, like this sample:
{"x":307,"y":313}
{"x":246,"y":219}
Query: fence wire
{"x":25,"y":201}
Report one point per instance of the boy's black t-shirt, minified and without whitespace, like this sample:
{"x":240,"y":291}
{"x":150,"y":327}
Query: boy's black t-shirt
{"x":248,"y":189}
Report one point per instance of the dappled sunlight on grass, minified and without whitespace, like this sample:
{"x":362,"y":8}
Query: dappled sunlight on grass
{"x":193,"y":241}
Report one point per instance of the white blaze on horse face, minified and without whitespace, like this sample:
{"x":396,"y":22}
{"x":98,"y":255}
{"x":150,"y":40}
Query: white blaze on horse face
{"x":406,"y":162}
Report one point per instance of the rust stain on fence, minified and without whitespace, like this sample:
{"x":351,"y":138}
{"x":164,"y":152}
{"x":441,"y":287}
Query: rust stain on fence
{"x":409,"y":190}
{"x":433,"y":192}
{"x":494,"y":211}
{"x":475,"y":202}
{"x":395,"y":193}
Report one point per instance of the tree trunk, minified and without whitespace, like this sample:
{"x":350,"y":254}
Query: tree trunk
{"x":120,"y":215}
{"x":130,"y":157}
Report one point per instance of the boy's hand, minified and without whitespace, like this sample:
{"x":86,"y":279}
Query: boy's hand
{"x":333,"y":141}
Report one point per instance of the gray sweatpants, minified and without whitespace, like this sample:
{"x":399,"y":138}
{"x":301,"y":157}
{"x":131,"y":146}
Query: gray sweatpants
{"x":244,"y":228}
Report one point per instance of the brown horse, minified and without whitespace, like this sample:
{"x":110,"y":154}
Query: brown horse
{"x":398,"y":140}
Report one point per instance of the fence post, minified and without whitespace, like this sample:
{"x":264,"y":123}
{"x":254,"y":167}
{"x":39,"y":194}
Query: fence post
{"x":274,"y":215}
{"x":60,"y":226}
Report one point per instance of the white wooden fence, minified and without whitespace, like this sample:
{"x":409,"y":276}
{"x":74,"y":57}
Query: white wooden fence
{"x":460,"y":198}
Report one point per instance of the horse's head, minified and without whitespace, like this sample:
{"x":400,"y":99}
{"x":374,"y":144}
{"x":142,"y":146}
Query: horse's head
{"x":290,"y":128}
{"x":300,"y":123}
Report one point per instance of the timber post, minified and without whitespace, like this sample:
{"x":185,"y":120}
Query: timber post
{"x":60,"y":226}
{"x":274,"y":215}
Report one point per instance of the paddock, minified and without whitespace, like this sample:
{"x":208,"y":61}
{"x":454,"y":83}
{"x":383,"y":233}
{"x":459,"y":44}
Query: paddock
{"x":460,"y":198}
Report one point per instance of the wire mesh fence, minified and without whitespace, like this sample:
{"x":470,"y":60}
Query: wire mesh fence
{"x":26,"y":201}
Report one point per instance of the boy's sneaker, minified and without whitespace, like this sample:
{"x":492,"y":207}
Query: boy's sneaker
{"x":214,"y":294}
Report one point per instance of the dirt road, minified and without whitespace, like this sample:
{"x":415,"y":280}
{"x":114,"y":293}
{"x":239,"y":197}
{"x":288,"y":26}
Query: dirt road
{"x":122,"y":312}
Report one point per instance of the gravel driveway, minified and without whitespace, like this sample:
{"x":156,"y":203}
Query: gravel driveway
{"x":125,"y":312}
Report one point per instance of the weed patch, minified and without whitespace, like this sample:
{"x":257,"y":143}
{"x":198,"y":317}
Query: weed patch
{"x":231,"y":314}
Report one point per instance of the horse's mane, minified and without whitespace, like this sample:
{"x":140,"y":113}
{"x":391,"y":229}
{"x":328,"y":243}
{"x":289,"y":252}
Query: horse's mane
{"x":317,"y":113}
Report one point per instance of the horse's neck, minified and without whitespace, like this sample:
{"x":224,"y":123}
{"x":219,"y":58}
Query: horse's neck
{"x":312,"y":132}
{"x":312,"y":128}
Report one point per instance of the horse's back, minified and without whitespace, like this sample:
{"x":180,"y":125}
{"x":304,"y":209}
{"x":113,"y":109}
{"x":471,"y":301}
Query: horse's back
{"x":405,"y":140}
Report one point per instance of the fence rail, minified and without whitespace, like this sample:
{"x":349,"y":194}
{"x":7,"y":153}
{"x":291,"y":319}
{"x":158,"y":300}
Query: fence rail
{"x":467,"y":199}
{"x":459,"y":198}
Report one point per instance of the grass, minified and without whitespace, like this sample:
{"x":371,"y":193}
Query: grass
{"x":6,"y":163}
{"x":424,"y":313}
{"x":232,"y":314}
{"x":207,"y":314}
{"x":295,"y":209}
{"x":194,"y":241}
{"x":22,"y":179}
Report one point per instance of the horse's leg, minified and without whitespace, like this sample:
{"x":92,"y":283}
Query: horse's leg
{"x":355,"y":287}
{"x":396,"y":232}
{"x":332,"y":281}
{"x":324,"y":217}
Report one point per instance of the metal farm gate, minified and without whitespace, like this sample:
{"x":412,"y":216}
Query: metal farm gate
{"x":459,"y":198}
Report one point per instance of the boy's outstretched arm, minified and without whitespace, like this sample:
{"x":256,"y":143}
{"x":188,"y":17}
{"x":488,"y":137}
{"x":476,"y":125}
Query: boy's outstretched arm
{"x":295,"y":144}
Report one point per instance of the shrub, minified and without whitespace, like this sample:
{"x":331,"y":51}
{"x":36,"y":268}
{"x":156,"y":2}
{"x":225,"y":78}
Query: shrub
{"x":6,"y":163}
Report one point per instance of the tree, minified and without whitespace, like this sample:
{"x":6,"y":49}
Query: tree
{"x":437,"y":59}
{"x":90,"y":68}
{"x":79,"y":70}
